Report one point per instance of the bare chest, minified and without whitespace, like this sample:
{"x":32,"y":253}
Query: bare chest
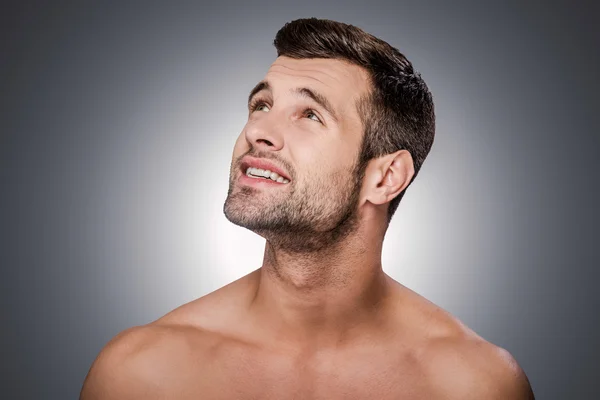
{"x":318,"y":378}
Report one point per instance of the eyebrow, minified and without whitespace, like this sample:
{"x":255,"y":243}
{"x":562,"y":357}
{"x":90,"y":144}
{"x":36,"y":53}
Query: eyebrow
{"x":319,"y":99}
{"x":260,"y":86}
{"x":303,"y":92}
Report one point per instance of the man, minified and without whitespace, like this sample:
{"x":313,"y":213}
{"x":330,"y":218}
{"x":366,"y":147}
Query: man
{"x":337,"y":130}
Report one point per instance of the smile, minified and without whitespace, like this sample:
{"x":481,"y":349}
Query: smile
{"x":258,"y":173}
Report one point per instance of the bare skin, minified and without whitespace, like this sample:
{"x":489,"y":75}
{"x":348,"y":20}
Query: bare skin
{"x":320,"y":319}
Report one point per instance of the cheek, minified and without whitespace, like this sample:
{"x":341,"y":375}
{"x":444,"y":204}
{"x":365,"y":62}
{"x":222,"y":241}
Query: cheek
{"x":241,"y":145}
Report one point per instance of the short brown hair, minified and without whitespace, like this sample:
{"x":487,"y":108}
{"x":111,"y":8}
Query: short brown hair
{"x":397,"y":114}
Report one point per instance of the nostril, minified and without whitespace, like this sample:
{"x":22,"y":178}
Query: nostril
{"x":266,"y":141}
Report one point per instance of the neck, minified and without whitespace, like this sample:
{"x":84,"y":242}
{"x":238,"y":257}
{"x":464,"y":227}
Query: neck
{"x":326,"y":297}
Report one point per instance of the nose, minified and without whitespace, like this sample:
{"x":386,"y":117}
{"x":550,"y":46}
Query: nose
{"x":265,"y":133}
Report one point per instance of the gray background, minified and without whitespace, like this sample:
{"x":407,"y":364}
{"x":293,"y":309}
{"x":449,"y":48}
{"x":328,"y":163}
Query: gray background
{"x":117,"y":126}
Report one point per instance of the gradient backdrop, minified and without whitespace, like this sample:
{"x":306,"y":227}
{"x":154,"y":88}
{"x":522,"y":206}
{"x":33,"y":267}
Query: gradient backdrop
{"x":117,"y":126}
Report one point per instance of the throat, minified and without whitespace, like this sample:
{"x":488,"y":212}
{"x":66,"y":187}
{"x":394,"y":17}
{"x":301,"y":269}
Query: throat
{"x":319,"y":314}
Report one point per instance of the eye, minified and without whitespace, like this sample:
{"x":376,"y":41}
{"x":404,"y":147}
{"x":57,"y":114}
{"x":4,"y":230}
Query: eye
{"x":261,"y":107}
{"x":310,"y":114}
{"x":258,"y":105}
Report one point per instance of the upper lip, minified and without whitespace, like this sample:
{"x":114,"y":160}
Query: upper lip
{"x":262,"y":163}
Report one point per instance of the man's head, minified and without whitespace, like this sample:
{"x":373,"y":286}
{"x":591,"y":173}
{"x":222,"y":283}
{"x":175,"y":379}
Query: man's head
{"x":344,"y":116}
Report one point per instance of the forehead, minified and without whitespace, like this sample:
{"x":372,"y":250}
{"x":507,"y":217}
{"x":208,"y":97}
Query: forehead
{"x":340,"y":81}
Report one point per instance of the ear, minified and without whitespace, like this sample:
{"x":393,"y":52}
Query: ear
{"x":387,"y":176}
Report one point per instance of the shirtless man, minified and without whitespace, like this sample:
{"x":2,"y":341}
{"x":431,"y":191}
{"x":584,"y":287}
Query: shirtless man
{"x":342,"y":124}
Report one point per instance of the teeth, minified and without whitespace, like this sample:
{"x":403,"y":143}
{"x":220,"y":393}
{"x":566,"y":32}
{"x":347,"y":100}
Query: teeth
{"x":265,"y":173}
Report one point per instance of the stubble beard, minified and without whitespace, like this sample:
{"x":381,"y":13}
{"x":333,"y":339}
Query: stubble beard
{"x":312,"y":219}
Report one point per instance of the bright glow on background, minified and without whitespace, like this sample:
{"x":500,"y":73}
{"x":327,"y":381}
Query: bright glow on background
{"x":118,"y":125}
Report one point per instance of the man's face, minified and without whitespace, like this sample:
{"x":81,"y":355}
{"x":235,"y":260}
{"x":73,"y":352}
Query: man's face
{"x":302,"y":122}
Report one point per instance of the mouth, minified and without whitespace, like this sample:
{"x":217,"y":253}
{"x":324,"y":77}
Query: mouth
{"x":255,"y":171}
{"x":259,"y":177}
{"x":258,"y":182}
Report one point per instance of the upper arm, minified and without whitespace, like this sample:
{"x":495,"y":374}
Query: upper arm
{"x":504,"y":377}
{"x":116,"y":372}
{"x":479,"y":370}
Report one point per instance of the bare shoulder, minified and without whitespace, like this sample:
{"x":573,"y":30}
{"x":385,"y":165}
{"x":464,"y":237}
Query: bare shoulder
{"x":468,"y":367}
{"x":457,"y":362}
{"x":145,"y":362}
{"x":462,"y":365}
{"x":170,"y":354}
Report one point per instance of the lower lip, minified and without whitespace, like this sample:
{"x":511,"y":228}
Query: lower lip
{"x":246,"y":180}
